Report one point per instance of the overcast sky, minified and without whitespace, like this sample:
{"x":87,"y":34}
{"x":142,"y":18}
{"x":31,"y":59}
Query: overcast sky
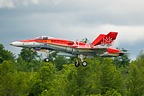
{"x":73,"y":19}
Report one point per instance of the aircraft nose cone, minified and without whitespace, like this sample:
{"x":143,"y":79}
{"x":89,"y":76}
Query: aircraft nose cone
{"x":16,"y":43}
{"x":11,"y":44}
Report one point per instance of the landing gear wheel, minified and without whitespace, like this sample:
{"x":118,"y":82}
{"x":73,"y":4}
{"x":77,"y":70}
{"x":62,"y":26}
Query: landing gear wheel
{"x":46,"y":60}
{"x":77,"y":64}
{"x":84,"y":63}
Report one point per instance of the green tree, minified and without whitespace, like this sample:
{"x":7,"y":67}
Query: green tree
{"x":12,"y":82}
{"x":58,"y":85}
{"x":135,"y":78}
{"x":84,"y":80}
{"x":5,"y":54}
{"x":22,"y":65}
{"x":44,"y":80}
{"x":112,"y":93}
{"x":141,"y":55}
{"x":60,"y":61}
{"x":122,"y":61}
{"x":111,"y":77}
{"x":28,"y":54}
{"x":27,"y":60}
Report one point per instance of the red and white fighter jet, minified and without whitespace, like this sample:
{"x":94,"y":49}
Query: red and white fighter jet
{"x":99,"y":47}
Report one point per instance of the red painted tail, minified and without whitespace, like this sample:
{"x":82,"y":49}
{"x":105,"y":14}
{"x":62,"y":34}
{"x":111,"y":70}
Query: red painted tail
{"x":105,"y":39}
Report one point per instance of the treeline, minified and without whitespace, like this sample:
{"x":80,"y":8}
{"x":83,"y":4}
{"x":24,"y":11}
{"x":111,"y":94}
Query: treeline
{"x":28,"y":75}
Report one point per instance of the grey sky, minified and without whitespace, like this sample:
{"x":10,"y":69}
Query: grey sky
{"x":73,"y":19}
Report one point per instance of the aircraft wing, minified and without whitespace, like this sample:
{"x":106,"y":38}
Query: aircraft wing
{"x":100,"y":51}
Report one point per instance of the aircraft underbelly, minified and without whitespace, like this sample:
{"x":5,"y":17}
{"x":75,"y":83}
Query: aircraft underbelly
{"x":70,"y":49}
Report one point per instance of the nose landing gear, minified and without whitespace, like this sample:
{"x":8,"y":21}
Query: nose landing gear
{"x":46,"y":59}
{"x":48,"y":53}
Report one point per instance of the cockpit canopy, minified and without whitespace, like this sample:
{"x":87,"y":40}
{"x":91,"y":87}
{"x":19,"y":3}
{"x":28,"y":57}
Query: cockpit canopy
{"x":42,"y":38}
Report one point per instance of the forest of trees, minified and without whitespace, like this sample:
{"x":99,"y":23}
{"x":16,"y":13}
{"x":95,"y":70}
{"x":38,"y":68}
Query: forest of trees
{"x":27,"y":75}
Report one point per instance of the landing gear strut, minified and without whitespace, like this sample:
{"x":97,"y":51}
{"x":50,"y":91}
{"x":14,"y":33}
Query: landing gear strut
{"x":48,"y":53}
{"x":81,"y":57}
{"x":77,"y":63}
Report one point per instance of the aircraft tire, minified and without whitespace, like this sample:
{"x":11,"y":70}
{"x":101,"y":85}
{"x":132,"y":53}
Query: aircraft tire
{"x":84,"y":63}
{"x":46,"y":60}
{"x":77,"y":64}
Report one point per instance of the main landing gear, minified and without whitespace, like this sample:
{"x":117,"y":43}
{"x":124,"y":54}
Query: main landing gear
{"x":80,"y":60}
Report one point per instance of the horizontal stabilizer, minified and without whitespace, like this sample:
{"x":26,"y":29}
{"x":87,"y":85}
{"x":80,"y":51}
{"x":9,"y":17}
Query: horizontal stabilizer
{"x":111,"y":52}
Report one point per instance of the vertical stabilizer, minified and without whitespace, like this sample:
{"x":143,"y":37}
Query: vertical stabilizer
{"x":105,"y":39}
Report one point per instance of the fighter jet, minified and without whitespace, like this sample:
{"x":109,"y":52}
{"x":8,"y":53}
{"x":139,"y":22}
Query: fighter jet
{"x":101,"y":46}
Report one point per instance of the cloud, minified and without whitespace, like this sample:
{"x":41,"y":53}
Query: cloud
{"x":15,"y":3}
{"x":129,"y":34}
{"x":28,"y":2}
{"x":6,"y":4}
{"x":35,"y":1}
{"x":73,"y":19}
